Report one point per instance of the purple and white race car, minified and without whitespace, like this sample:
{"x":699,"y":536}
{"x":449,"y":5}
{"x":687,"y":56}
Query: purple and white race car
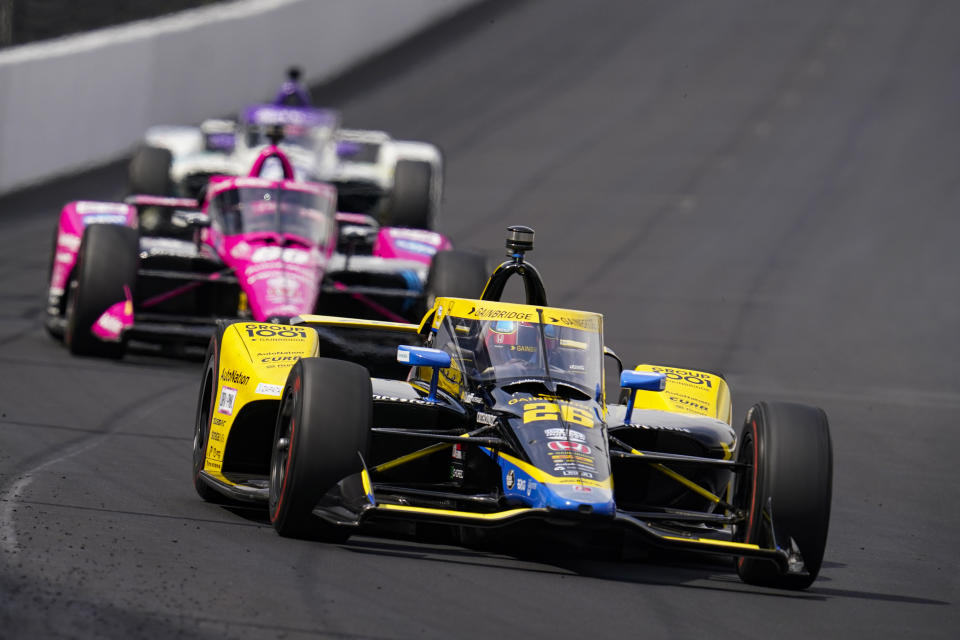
{"x":398,"y":182}
{"x":165,"y":270}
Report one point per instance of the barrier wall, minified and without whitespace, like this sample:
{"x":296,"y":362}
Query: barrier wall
{"x":85,"y":100}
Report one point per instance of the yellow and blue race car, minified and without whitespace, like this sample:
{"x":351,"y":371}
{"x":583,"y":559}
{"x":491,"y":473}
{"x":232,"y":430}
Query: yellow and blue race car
{"x":494,"y":414}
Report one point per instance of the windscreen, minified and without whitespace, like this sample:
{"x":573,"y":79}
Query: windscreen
{"x":307,"y":216}
{"x":506,"y":352}
{"x":293,"y":134}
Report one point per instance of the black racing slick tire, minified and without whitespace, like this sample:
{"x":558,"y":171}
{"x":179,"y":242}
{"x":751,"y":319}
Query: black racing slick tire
{"x":455,"y":274}
{"x":206,"y":407}
{"x":149,"y":171}
{"x":106,"y":263}
{"x":785,"y":489}
{"x":410,"y":201}
{"x":322,"y":430}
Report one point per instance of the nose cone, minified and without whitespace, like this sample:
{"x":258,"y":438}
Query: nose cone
{"x":579,"y":498}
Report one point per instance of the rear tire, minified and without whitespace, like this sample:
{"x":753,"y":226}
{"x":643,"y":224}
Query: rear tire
{"x":410,"y":201}
{"x":788,"y":485}
{"x":149,"y":171}
{"x":205,"y":410}
{"x":323,"y":427}
{"x":455,"y":274}
{"x":106,"y":263}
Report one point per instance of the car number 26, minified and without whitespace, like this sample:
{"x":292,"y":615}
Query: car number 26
{"x":535,"y":411}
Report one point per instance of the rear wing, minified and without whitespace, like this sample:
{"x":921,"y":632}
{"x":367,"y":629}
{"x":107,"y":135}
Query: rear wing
{"x":370,"y":343}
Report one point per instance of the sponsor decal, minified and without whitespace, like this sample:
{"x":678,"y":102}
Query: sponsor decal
{"x":684,"y":376}
{"x":419,"y":401}
{"x":456,"y":473}
{"x":290,"y":358}
{"x":281,"y":290}
{"x":511,"y":476}
{"x":537,"y":411}
{"x":660,"y":427}
{"x":486,"y":418}
{"x":235,"y":377}
{"x":87,"y":207}
{"x":110,"y":323}
{"x":531,"y":486}
{"x":417,"y":235}
{"x":403,"y":356}
{"x":228,"y":396}
{"x":457,"y":452}
{"x":257,"y":183}
{"x":69,"y":241}
{"x":521,"y":484}
{"x":582,"y":489}
{"x":564,"y":434}
{"x":588,"y":324}
{"x":241,"y":251}
{"x":566,"y":445}
{"x":265,"y":389}
{"x":219,"y":422}
{"x":499,"y":314}
{"x":530,"y":399}
{"x":104,"y":218}
{"x":686,"y":403}
{"x":471,"y":398}
{"x":274,"y":330}
{"x":289,"y":255}
{"x":416,"y":247}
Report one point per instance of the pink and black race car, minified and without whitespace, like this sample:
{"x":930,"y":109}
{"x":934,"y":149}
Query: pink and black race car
{"x":164,"y":270}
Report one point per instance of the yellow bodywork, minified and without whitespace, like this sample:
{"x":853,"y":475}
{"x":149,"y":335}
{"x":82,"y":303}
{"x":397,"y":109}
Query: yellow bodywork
{"x":255,"y":359}
{"x":492,"y":310}
{"x":687,"y":391}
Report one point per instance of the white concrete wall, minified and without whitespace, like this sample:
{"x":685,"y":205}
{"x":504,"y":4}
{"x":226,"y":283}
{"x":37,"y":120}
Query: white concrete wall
{"x":80,"y":101}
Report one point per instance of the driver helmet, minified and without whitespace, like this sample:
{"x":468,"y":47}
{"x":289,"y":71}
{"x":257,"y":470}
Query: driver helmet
{"x":292,"y":93}
{"x":507,"y":340}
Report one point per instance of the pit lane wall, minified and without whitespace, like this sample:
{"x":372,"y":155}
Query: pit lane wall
{"x":85,"y":100}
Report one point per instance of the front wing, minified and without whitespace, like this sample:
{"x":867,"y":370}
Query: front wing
{"x":356,"y":501}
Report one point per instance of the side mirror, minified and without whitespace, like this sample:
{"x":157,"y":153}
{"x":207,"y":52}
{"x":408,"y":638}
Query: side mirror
{"x":642,"y":381}
{"x":194,"y":219}
{"x":425,"y":357}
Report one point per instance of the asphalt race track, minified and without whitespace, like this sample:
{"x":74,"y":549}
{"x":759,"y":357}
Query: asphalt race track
{"x":771,"y":190}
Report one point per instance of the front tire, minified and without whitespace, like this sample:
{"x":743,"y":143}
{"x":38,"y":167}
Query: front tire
{"x":323,"y":429}
{"x":149,"y":171}
{"x":786,"y":490}
{"x":107,"y":262}
{"x":205,"y":410}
